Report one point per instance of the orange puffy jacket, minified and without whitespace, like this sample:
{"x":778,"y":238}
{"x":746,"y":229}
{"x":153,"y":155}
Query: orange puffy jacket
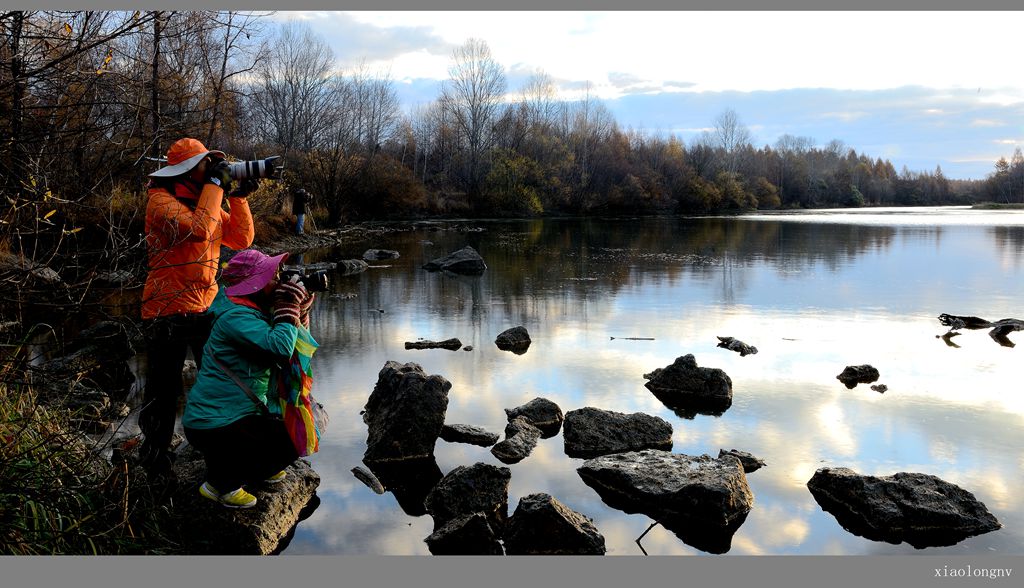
{"x":184,"y":247}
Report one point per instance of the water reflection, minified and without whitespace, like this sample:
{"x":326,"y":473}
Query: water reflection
{"x":813,"y":295}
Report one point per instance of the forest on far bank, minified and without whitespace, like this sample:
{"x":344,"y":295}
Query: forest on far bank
{"x":90,"y":100}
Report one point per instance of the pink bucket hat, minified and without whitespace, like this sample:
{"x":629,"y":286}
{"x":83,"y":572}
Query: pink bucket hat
{"x":249,"y":270}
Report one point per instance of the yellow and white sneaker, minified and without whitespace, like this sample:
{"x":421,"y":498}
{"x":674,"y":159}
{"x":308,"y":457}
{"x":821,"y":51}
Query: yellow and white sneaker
{"x":278,"y":477}
{"x":236,"y":499}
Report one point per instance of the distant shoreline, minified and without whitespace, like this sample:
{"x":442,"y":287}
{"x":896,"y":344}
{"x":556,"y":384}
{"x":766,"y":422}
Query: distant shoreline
{"x":998,"y":206}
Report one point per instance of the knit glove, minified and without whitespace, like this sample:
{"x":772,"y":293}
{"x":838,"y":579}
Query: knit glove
{"x":288,"y":297}
{"x":304,"y":307}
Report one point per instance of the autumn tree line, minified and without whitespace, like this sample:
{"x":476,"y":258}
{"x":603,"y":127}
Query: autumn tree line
{"x":89,"y":101}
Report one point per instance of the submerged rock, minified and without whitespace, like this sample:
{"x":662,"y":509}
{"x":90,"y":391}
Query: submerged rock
{"x":589,"y":432}
{"x":469,"y":434}
{"x":748,"y":461}
{"x":858,"y":374}
{"x":404,"y":413}
{"x":736,"y":345}
{"x":921,"y":509}
{"x":520,"y":439}
{"x":516,"y":340}
{"x":463,"y":261}
{"x":352,"y":266}
{"x":377,"y":254}
{"x":541,"y":525}
{"x":686,"y":386}
{"x":465,"y":490}
{"x":541,"y":413}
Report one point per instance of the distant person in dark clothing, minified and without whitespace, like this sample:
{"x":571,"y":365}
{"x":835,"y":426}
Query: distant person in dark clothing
{"x":299,"y":200}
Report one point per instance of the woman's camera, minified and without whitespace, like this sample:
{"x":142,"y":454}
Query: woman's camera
{"x":313,"y":281}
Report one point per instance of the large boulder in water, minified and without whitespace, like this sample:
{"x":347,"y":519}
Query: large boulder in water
{"x":517,"y":340}
{"x":589,"y":432}
{"x":463,"y":261}
{"x":468,"y":534}
{"x":405,"y":413}
{"x":671,"y":484}
{"x":701,"y":499}
{"x":921,"y":509}
{"x":685,"y":385}
{"x":541,"y":525}
{"x":465,"y":490}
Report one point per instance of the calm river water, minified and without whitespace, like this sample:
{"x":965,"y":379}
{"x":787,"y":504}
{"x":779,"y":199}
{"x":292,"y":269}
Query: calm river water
{"x":814,"y":292}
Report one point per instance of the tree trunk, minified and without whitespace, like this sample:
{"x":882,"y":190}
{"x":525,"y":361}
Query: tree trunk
{"x":155,"y":83}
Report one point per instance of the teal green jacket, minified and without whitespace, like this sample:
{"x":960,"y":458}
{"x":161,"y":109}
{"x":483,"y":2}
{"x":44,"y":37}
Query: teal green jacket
{"x":247,"y":342}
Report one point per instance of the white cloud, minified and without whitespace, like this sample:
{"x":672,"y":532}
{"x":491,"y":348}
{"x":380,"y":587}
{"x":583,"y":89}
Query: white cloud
{"x":762,"y":50}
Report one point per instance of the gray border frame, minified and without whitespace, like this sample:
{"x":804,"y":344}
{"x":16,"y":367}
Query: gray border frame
{"x":514,"y":572}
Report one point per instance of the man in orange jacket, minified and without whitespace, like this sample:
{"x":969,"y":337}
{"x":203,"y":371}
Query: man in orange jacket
{"x":186,"y":225}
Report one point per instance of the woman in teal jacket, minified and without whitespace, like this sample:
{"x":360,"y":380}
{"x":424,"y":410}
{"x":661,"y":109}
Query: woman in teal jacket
{"x":256,"y":324}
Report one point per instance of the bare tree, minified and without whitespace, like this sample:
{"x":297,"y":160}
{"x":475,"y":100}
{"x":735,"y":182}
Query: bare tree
{"x":731,"y":136}
{"x":472,"y":97}
{"x":295,"y":88}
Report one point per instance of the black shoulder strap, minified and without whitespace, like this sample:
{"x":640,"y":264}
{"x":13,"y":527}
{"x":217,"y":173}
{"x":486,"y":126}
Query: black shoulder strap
{"x":252,"y":396}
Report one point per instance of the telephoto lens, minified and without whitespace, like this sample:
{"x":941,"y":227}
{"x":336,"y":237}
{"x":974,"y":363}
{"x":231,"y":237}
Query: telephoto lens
{"x":313,"y":281}
{"x":258,"y":168}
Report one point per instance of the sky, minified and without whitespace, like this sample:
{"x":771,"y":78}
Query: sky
{"x":922,"y":89}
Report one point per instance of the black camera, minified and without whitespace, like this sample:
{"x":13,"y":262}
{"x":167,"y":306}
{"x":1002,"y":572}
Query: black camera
{"x":313,"y":281}
{"x":259,"y":168}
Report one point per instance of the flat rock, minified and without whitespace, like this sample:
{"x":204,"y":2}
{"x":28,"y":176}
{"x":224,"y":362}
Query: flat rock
{"x":685,"y":385}
{"x":468,"y":434}
{"x":589,"y":432}
{"x":348,"y":267}
{"x":921,"y":509}
{"x":451,"y":344}
{"x":748,"y":461}
{"x":468,"y":534}
{"x":520,"y":439}
{"x":404,"y":413}
{"x":858,"y":374}
{"x":261,"y":530}
{"x":541,"y":525}
{"x":463,"y":261}
{"x":465,"y":490}
{"x":541,"y":413}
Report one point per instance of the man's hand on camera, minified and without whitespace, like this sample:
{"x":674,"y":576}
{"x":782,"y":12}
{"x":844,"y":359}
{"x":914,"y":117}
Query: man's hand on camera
{"x":218,"y":173}
{"x":245,"y":188}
